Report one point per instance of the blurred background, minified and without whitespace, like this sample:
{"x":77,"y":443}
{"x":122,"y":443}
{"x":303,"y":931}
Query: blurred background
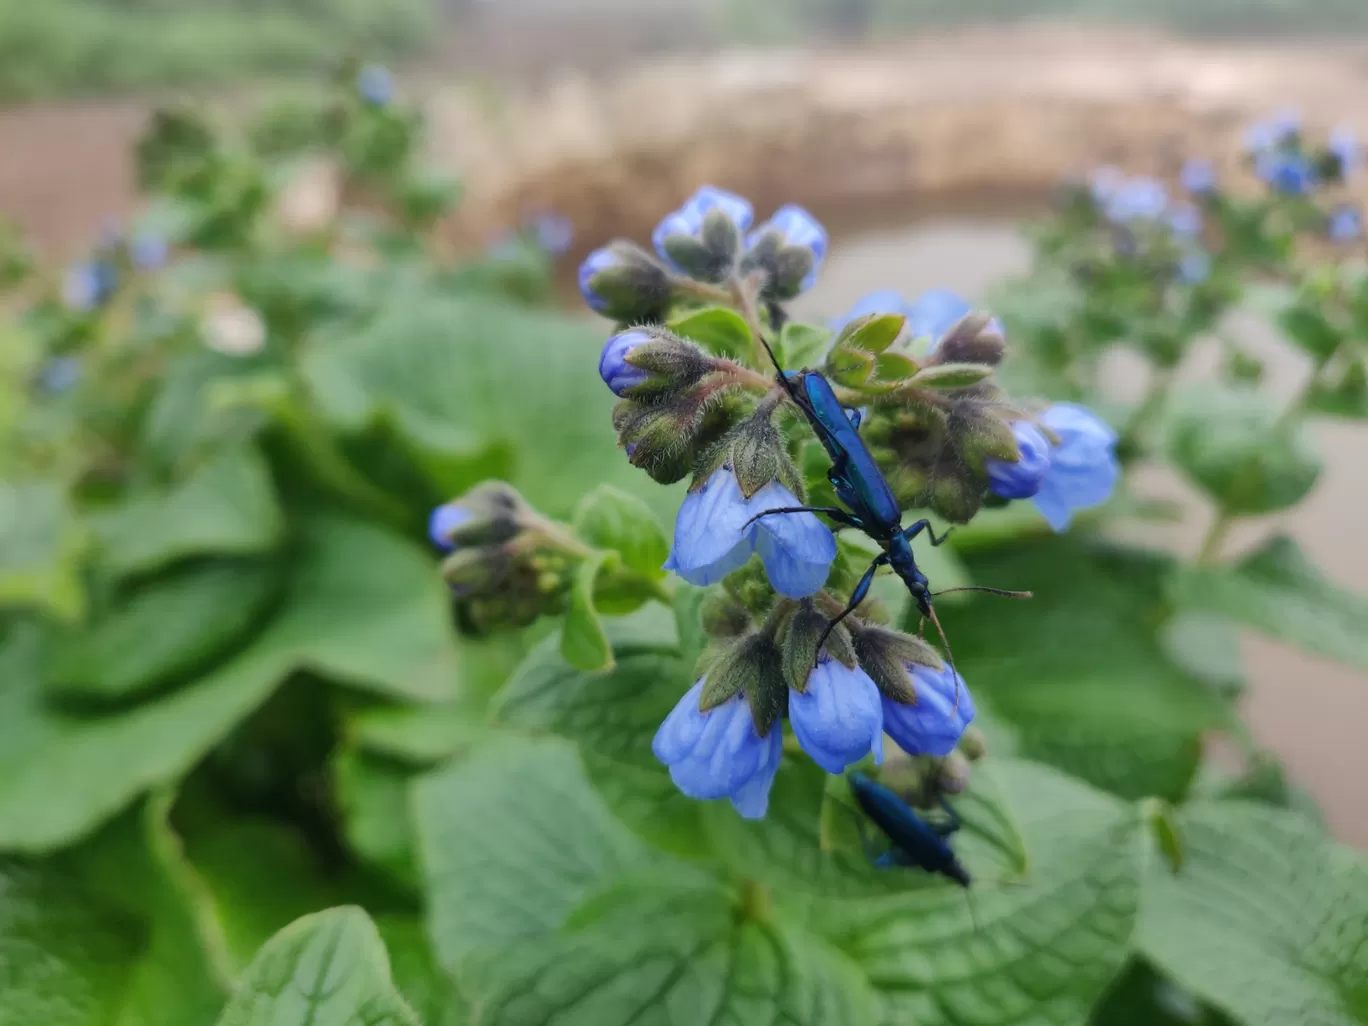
{"x":921,"y":132}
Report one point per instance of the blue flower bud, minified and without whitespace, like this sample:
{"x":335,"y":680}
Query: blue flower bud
{"x":444,"y":520}
{"x":624,"y":282}
{"x":1345,"y":223}
{"x":682,"y":232}
{"x":375,"y":85}
{"x":838,"y":719}
{"x":1194,"y":267}
{"x":1083,"y":466}
{"x":712,"y":538}
{"x":789,"y":247}
{"x":616,"y":372}
{"x":718,"y":754}
{"x":1021,"y":480}
{"x":1343,"y":146}
{"x":88,"y":285}
{"x":1185,"y":220}
{"x":148,"y":251}
{"x":1198,"y":177}
{"x":934,"y":723}
{"x":1286,"y":172}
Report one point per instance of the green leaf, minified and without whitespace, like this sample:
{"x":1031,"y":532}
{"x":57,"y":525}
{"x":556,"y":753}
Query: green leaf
{"x":1306,"y":325}
{"x":1038,"y":948}
{"x":164,"y":631}
{"x":951,"y":375}
{"x":672,"y":953}
{"x":721,"y":331}
{"x":427,"y":989}
{"x":895,"y":367}
{"x":327,"y":969}
{"x":41,"y":545}
{"x":584,"y":645}
{"x":614,"y":714}
{"x":609,"y":518}
{"x":182,"y":972}
{"x":1267,"y":919}
{"x":1344,"y":396}
{"x":65,"y":956}
{"x":874,"y":333}
{"x":418,"y":735}
{"x":1208,"y":647}
{"x":511,"y":840}
{"x":849,"y":367}
{"x":226,"y":507}
{"x":1142,"y":997}
{"x":1232,"y":445}
{"x":1078,"y":670}
{"x":365,"y":608}
{"x":373,"y":798}
{"x":1277,"y":591}
{"x":802,"y":345}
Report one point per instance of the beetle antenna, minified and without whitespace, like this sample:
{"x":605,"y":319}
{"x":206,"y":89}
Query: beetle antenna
{"x":991,"y":591}
{"x":950,"y":655}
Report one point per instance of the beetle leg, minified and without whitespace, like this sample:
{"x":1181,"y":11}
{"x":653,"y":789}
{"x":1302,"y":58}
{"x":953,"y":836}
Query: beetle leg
{"x":835,"y":512}
{"x":925,"y":525}
{"x":856,"y":597}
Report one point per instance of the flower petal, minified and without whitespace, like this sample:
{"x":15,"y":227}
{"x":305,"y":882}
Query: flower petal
{"x":728,"y":753}
{"x":679,"y":732}
{"x":839,"y":719}
{"x":751,"y":799}
{"x":933,"y":724}
{"x":796,"y":548}
{"x":711,"y":537}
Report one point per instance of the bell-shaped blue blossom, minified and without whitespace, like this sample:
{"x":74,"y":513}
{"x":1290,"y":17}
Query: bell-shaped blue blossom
{"x":798,"y":229}
{"x":1185,"y":220}
{"x":1198,"y":177}
{"x":1345,"y":223}
{"x":688,"y":219}
{"x":718,"y":754}
{"x":1194,"y":266}
{"x":1021,"y":480}
{"x":88,"y":285}
{"x":599,"y":260}
{"x":934,"y":723}
{"x":616,"y":372}
{"x":1136,"y":199}
{"x":1286,"y":171}
{"x":148,"y":251}
{"x":375,"y":85}
{"x":712,"y":538}
{"x":443,"y":521}
{"x":1083,"y":466}
{"x":1343,"y":145}
{"x":838,"y":719}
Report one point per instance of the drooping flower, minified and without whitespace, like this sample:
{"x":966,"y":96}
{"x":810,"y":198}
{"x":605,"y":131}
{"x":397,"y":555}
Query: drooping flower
{"x":1198,"y":177}
{"x":1345,"y":223}
{"x":716,"y":753}
{"x":934,"y":723}
{"x":712,"y":538}
{"x":838,"y":718}
{"x":88,"y":285}
{"x":375,"y":85}
{"x":616,"y":372}
{"x":1286,"y":171}
{"x":791,"y":245}
{"x":443,"y":521}
{"x":688,"y":220}
{"x":1021,"y":480}
{"x":1083,"y":467}
{"x":625,"y":282}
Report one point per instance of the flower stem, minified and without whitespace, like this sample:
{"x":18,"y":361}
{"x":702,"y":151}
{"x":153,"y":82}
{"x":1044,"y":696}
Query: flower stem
{"x":1210,"y":551}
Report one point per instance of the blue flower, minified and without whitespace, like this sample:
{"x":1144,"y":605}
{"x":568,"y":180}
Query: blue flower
{"x":688,"y":219}
{"x":1136,"y":199}
{"x":1343,"y":146}
{"x":933,"y":313}
{"x":599,"y":260}
{"x":1021,"y":480}
{"x":445,"y":519}
{"x":553,"y":233}
{"x":88,"y":285}
{"x":616,"y":372}
{"x":1198,"y":177}
{"x":1083,"y":467}
{"x":712,"y":538}
{"x":375,"y":84}
{"x":1345,"y":223}
{"x":1185,"y":220}
{"x":1194,"y":267}
{"x":718,"y":754}
{"x":1274,"y":133}
{"x":148,"y":251}
{"x":1105,"y":182}
{"x":839,"y":719}
{"x":59,"y":374}
{"x":797,"y":229}
{"x":1287,"y":172}
{"x":934,"y":723}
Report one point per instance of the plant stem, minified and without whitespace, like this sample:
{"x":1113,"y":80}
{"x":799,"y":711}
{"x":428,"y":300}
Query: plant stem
{"x":1298,"y":405}
{"x":1210,"y":551}
{"x":1160,"y":383}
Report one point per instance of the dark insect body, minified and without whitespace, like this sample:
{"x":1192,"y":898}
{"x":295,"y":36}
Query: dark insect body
{"x":916,"y":842}
{"x":860,"y":484}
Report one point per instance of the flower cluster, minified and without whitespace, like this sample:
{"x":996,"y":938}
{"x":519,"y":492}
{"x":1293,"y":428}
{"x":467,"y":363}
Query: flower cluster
{"x":1282,"y":157}
{"x":693,"y":363}
{"x":1146,"y":221}
{"x":91,"y":283}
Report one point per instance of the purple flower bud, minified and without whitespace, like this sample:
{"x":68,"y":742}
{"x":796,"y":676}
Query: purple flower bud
{"x":602,"y":259}
{"x":712,"y":537}
{"x":616,"y":372}
{"x":839,"y":719}
{"x":934,"y":723}
{"x":1083,"y":467}
{"x":688,"y":219}
{"x":375,"y":85}
{"x":793,"y":228}
{"x":444,"y":520}
{"x":1198,"y":177}
{"x":1021,"y":480}
{"x":1345,"y":223}
{"x":717,"y":753}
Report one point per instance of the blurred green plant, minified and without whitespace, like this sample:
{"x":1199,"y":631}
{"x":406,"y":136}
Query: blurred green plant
{"x":261,"y":764}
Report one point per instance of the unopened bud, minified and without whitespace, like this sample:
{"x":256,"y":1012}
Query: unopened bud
{"x":954,"y":773}
{"x":624,"y":282}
